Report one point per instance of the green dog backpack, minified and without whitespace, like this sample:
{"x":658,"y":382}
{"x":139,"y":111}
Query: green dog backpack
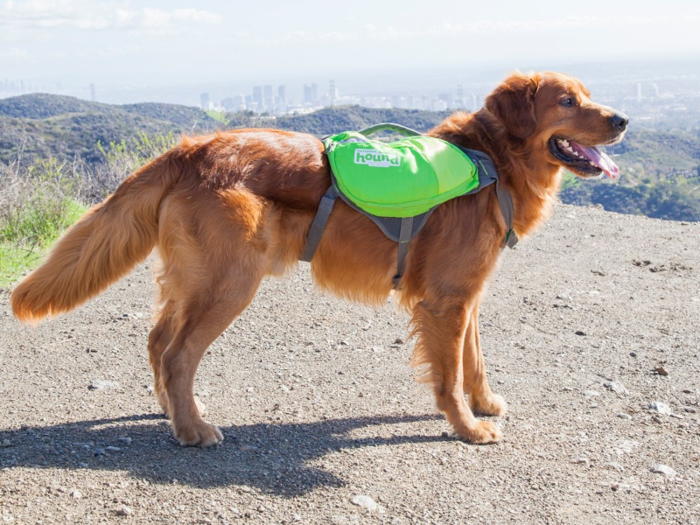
{"x":398,"y":184}
{"x":404,"y":178}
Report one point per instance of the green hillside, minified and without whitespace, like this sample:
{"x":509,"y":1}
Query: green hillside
{"x":65,"y":127}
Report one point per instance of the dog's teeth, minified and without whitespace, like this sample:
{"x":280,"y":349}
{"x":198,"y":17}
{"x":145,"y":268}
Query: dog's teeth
{"x":565,"y":143}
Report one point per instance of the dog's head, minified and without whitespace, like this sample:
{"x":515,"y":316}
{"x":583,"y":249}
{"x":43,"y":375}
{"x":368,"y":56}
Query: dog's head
{"x":553,"y":112}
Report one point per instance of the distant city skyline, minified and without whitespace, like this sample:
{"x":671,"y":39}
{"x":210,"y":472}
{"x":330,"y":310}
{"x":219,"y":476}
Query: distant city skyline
{"x":164,"y":43}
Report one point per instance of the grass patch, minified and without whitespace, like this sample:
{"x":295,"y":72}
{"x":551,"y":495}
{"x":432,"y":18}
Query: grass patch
{"x":219,"y":116}
{"x":19,"y":252}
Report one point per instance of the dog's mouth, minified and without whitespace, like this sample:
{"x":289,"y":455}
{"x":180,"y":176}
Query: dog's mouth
{"x":585,"y":161}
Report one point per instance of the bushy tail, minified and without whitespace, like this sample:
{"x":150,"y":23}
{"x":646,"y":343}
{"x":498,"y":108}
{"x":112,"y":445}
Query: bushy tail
{"x":107,"y":242}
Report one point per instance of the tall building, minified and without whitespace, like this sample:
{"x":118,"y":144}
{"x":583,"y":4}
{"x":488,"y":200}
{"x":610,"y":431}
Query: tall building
{"x":204,"y":101}
{"x":281,"y":95}
{"x":258,"y":100}
{"x":311,"y":94}
{"x":268,"y":98}
{"x":460,"y":102}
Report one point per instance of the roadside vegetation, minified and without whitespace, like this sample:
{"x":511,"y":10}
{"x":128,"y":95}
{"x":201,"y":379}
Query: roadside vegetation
{"x":40,"y":199}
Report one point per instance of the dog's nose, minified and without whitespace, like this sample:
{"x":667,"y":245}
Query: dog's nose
{"x":619,"y":121}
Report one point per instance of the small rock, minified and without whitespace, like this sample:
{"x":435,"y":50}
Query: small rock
{"x":689,"y":410}
{"x":564,"y":297}
{"x":124,"y":511}
{"x":661,"y":408}
{"x":633,"y":354}
{"x":102,"y":385}
{"x":591,"y":393}
{"x":399,"y":341}
{"x":616,"y":387}
{"x":612,"y":465}
{"x":99,"y":452}
{"x":660,"y":370}
{"x":5,"y":443}
{"x":365,"y":502}
{"x":580,"y":461}
{"x":579,"y":332}
{"x":76,"y":494}
{"x":663,"y":469}
{"x":125,"y":440}
{"x":377,"y":349}
{"x":622,"y":415}
{"x":112,"y":449}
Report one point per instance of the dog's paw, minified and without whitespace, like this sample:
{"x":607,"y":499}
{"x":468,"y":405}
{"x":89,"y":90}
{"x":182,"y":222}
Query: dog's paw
{"x":199,"y":435}
{"x":493,"y":405}
{"x":482,"y":433}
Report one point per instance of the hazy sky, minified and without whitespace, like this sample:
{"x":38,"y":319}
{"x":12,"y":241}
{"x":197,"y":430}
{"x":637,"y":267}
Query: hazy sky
{"x":158,"y":41}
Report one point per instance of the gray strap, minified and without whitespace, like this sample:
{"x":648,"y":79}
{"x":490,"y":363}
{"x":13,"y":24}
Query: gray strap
{"x":387,"y":126}
{"x":404,"y":241}
{"x":325,"y":208}
{"x":505,"y":201}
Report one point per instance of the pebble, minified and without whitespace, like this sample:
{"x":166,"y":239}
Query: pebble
{"x":663,"y":469}
{"x":661,"y":408}
{"x":76,"y":494}
{"x":125,"y":440}
{"x":579,"y":332}
{"x":125,"y":511}
{"x":113,"y":449}
{"x":365,"y":502}
{"x":622,"y":415}
{"x":591,"y":393}
{"x":564,"y":297}
{"x":580,"y":461}
{"x":661,"y":371}
{"x":612,"y":465}
{"x":102,"y":385}
{"x":616,"y":387}
{"x":5,"y":443}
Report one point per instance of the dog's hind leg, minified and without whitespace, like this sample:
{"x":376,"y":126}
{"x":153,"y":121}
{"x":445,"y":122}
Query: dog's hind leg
{"x":440,"y":324}
{"x":158,"y":340}
{"x":205,"y":317}
{"x":481,"y":399}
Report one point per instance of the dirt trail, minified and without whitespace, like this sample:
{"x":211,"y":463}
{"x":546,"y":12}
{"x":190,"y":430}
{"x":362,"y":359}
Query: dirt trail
{"x":584,"y":326}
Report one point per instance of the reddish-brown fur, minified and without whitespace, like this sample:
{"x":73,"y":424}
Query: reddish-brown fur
{"x":226,"y":210}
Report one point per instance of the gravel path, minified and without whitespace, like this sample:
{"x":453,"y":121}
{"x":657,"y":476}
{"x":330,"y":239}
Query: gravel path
{"x":590,"y":330}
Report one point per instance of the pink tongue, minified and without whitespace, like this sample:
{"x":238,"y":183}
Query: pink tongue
{"x":598,"y":158}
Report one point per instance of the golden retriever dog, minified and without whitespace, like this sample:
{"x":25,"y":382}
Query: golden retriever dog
{"x":226,"y":210}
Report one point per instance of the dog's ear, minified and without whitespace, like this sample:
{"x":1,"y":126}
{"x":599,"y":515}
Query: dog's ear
{"x":513,"y":104}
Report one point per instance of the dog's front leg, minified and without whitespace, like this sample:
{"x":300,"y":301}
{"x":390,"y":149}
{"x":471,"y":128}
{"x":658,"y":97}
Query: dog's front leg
{"x":481,"y":399}
{"x":440,"y":324}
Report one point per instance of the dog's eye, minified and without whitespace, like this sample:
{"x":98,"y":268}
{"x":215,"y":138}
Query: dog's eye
{"x":567,"y":102}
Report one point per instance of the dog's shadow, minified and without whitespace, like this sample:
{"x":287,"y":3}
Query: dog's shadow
{"x":275,"y":458}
